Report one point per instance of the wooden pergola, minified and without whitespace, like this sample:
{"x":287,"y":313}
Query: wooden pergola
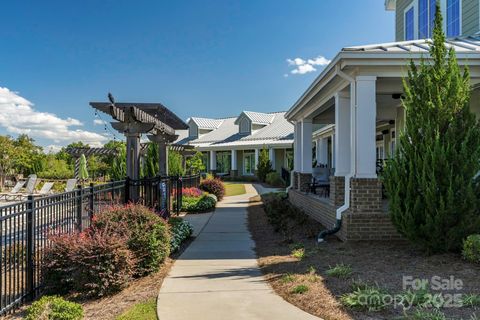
{"x":76,"y":153}
{"x":134,"y":119}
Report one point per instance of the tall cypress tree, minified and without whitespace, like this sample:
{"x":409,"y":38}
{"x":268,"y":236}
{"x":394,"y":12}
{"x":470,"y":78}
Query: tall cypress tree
{"x":430,"y":182}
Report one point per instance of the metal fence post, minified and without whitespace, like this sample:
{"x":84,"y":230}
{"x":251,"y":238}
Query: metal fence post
{"x":91,"y":200}
{"x":179,"y":194}
{"x":79,"y":194}
{"x":30,"y":248}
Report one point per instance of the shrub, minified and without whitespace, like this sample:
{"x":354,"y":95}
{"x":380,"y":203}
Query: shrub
{"x":192,"y":192}
{"x":203,"y":204}
{"x":55,"y":308}
{"x":95,"y":262}
{"x":299,"y":253}
{"x":180,"y":231}
{"x":274,"y":179}
{"x":213,"y":186}
{"x":471,"y":300}
{"x":147,"y":234}
{"x":340,"y":271}
{"x":366,"y":298}
{"x":430,"y":181}
{"x":264,"y":165}
{"x":471,"y":248}
{"x":288,"y":277}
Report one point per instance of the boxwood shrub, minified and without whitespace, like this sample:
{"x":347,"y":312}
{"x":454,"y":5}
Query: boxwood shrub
{"x":180,"y":231}
{"x":147,"y":234}
{"x":56,"y":308}
{"x":202,"y":204}
{"x":471,"y":248}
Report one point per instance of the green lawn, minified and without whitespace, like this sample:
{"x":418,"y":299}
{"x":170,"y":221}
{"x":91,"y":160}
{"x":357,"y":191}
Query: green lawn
{"x":234,"y":189}
{"x":141,"y":311}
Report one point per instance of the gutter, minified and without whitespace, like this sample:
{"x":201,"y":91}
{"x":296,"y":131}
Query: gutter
{"x":353,"y":151}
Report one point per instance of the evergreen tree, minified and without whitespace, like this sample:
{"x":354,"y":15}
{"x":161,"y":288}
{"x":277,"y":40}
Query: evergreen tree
{"x":264,"y":165}
{"x":195,"y":164}
{"x":431,"y":181}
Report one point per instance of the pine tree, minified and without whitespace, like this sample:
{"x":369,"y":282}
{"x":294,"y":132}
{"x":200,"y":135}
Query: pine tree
{"x":264,"y":165}
{"x":430,"y":182}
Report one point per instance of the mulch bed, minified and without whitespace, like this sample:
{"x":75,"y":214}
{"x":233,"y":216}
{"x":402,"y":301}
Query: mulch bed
{"x":377,"y":263}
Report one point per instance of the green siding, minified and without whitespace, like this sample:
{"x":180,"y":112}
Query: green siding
{"x":399,"y":11}
{"x":470,"y":17}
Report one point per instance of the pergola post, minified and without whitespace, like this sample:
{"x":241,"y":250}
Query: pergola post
{"x":133,"y":155}
{"x":163,"y":141}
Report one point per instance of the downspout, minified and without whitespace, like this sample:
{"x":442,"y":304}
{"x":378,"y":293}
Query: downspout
{"x":353,"y":151}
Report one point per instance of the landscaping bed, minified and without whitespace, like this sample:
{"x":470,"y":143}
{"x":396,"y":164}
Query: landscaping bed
{"x":315,"y":277}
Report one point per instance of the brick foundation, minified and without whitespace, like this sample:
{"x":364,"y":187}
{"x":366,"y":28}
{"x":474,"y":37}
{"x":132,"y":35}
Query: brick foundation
{"x":365,"y":195}
{"x":304,"y":181}
{"x":356,"y":226}
{"x":234,"y":173}
{"x":337,"y":191}
{"x":295,"y":180}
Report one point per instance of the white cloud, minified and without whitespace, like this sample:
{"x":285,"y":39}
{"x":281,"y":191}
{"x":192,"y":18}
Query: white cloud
{"x":52,"y":148}
{"x":18,"y":116}
{"x":302,"y":66}
{"x":99,"y":122}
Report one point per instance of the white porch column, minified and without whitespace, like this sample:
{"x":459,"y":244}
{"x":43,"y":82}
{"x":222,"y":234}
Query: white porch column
{"x":306,"y":146}
{"x":234,"y":160}
{"x":342,"y":135}
{"x":365,"y":127}
{"x":322,"y":151}
{"x":296,"y":147}
{"x":271,"y":157}
{"x":213,"y":160}
{"x":257,"y":155}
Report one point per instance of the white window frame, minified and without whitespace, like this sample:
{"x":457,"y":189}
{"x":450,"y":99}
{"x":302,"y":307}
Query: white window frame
{"x":380,"y":149}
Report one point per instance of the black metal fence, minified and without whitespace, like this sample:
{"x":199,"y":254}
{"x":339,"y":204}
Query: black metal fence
{"x":26,"y":226}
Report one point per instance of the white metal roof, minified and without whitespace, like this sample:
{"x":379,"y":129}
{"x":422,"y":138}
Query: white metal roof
{"x":227,"y":134}
{"x":205,"y":123}
{"x":259,"y":118}
{"x":469,"y":44}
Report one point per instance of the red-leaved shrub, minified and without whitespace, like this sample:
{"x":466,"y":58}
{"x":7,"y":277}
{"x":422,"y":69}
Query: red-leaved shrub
{"x":95,"y":262}
{"x":146,"y":233}
{"x":192,"y":192}
{"x":213,"y":186}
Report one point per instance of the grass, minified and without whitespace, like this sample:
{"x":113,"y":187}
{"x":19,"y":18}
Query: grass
{"x":472,"y":300}
{"x":368,"y":299}
{"x":300,"y":289}
{"x":234,"y":189}
{"x":141,"y":311}
{"x":288,"y":277}
{"x":299,"y":253}
{"x":340,"y":271}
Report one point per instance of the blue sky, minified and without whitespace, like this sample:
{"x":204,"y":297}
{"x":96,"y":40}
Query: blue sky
{"x":199,"y":58}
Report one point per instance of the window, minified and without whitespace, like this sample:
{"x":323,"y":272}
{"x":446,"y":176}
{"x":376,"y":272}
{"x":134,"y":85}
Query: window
{"x":289,"y":159}
{"x":380,"y":150}
{"x":249,"y":164}
{"x":224,"y":162}
{"x":453,"y":18}
{"x":431,"y":18}
{"x":409,"y":24}
{"x":422,"y":19}
{"x":244,"y":126}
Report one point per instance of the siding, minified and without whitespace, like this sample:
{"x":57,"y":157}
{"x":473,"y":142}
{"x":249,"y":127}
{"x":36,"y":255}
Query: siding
{"x":470,"y":17}
{"x":399,"y":29}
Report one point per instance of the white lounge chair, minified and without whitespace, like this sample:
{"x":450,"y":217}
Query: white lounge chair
{"x":14,"y":190}
{"x":29,"y":188}
{"x":71,"y":184}
{"x":45,"y":190}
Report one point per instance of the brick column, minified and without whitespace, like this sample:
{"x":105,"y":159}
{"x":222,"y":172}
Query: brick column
{"x":337,"y":191}
{"x":365,"y":195}
{"x":304,"y":179}
{"x":233,"y":173}
{"x":295,"y":180}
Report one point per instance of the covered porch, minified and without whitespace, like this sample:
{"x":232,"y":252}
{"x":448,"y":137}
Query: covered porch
{"x":349,"y":121}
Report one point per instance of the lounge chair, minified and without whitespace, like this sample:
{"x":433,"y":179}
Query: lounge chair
{"x":71,"y":184}
{"x":29,"y":188}
{"x":14,"y":191}
{"x":45,"y":190}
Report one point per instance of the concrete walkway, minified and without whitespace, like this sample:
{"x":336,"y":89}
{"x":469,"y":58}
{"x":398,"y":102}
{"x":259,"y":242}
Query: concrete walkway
{"x":217,"y":277}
